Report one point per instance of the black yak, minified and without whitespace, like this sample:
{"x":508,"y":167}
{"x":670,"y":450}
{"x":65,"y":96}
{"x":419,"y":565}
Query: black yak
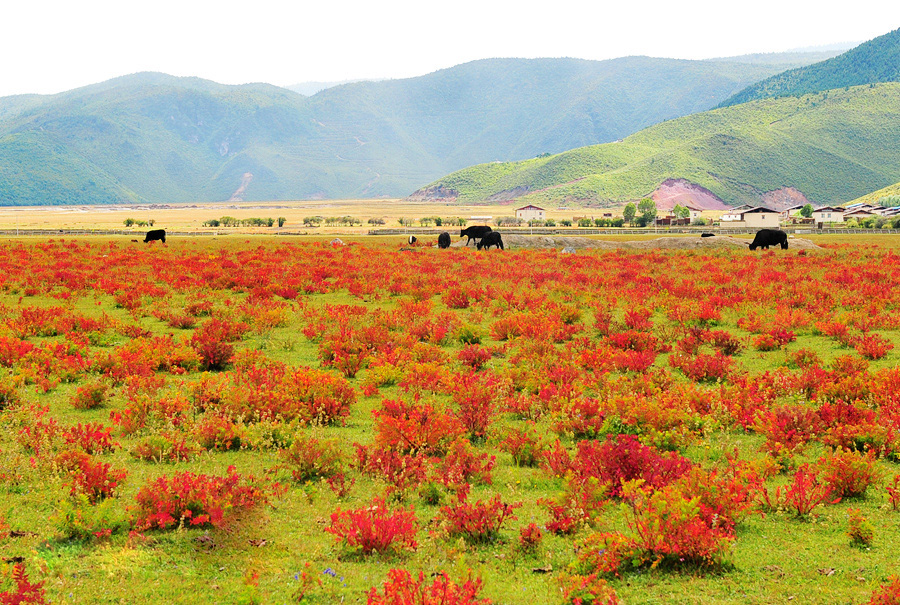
{"x":444,"y":240}
{"x":769,"y":237}
{"x":490,"y":239}
{"x":155,"y":235}
{"x":707,"y":235}
{"x":475,"y":232}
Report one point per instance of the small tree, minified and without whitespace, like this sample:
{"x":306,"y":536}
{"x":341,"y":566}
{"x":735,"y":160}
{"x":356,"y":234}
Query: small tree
{"x":281,"y":221}
{"x":806,"y":211}
{"x":681,"y":212}
{"x":584,"y":222}
{"x":129,"y":222}
{"x":647,"y":210}
{"x":629,"y":213}
{"x":565,"y":222}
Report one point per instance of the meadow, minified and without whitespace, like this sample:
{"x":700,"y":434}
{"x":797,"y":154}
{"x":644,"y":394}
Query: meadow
{"x":272,"y":420}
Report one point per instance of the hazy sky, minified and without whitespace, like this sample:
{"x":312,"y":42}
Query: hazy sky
{"x":48,"y":46}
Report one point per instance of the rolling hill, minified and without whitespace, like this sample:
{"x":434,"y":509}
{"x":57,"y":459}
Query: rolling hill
{"x":830,"y":147}
{"x":877,"y":60}
{"x":156,"y":138}
{"x":888,"y":196}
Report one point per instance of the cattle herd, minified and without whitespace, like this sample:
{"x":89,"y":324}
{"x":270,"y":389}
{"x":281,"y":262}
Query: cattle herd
{"x":485,"y":238}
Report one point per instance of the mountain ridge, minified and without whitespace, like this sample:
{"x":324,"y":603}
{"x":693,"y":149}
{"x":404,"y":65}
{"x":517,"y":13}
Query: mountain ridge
{"x":151,"y":137}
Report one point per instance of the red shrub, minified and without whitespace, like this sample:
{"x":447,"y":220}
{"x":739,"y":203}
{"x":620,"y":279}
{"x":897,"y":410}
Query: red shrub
{"x":414,"y":428}
{"x":873,"y":346}
{"x":807,"y":492}
{"x":893,"y":491}
{"x":530,"y":537}
{"x":477,"y":522}
{"x":309,"y":458}
{"x":886,"y":594}
{"x":375,"y":528}
{"x":165,"y":447}
{"x":402,"y":589}
{"x":624,"y":458}
{"x":849,"y":474}
{"x":461,"y":466}
{"x":787,"y":429}
{"x":525,"y":446}
{"x":666,"y":526}
{"x":92,"y":438}
{"x":196,"y":499}
{"x":703,"y":367}
{"x":90,"y":395}
{"x":474,"y":356}
{"x":587,"y":590}
{"x":401,"y":471}
{"x":25,"y":592}
{"x":220,"y":433}
{"x":94,"y":479}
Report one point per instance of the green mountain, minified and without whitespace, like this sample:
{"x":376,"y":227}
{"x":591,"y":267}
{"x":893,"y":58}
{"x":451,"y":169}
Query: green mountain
{"x":156,"y":138}
{"x":832,"y":147}
{"x":877,"y":60}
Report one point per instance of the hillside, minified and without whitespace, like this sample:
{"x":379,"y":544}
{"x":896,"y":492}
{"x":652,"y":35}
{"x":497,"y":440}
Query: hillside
{"x":156,"y":138}
{"x":830,"y":147}
{"x":890,"y":194}
{"x":877,"y":60}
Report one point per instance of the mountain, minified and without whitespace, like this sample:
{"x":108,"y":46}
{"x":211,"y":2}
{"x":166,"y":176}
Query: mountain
{"x":828,"y":147}
{"x":887,"y":196}
{"x":151,"y":137}
{"x":308,"y":89}
{"x":877,"y":60}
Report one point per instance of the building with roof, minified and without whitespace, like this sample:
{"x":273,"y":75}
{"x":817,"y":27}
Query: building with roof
{"x":530,"y":213}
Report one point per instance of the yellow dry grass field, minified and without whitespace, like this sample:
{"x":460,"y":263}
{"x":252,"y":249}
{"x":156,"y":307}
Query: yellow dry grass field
{"x":192,"y":216}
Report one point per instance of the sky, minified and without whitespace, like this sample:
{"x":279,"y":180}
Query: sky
{"x":49,"y":46}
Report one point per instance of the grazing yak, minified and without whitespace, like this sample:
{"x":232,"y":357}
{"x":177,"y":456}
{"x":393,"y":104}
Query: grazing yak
{"x":444,"y":240}
{"x":155,"y":235}
{"x":411,"y":240}
{"x":475,"y":232}
{"x":707,"y":235}
{"x":769,"y":237}
{"x":490,"y":239}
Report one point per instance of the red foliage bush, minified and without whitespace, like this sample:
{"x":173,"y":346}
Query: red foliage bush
{"x":92,"y":438}
{"x":309,"y":458}
{"x":886,"y":594}
{"x":401,"y":471}
{"x":93,"y":478}
{"x":25,"y":592}
{"x":849,"y":474}
{"x":375,"y":528}
{"x":196,"y":500}
{"x":702,"y":367}
{"x":622,"y":459}
{"x":414,"y":428}
{"x":402,"y":589}
{"x":525,"y":446}
{"x":90,"y":395}
{"x":873,"y":346}
{"x":477,"y":522}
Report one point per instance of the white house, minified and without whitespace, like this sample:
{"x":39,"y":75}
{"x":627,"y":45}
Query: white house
{"x":735,"y":213}
{"x":760,"y":218}
{"x":828,"y":214}
{"x":530,"y":213}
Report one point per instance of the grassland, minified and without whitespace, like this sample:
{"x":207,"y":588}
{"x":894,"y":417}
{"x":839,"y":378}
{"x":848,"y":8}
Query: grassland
{"x":256,"y":557}
{"x":833,"y":146}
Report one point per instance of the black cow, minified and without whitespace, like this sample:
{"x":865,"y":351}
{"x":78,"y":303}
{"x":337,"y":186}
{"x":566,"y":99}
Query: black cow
{"x":155,"y":235}
{"x":490,"y":239}
{"x":474,"y":232}
{"x":444,"y":240}
{"x":411,"y":240}
{"x":707,"y":235}
{"x":769,"y":237}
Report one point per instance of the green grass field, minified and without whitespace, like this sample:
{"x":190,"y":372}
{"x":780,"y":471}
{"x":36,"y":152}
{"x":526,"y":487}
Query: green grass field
{"x":257,"y":556}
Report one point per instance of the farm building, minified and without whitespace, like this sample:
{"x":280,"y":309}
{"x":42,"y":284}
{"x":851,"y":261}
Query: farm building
{"x":858,"y":214}
{"x":788,"y":212}
{"x":530,"y":213}
{"x":828,"y":214}
{"x":759,"y":218}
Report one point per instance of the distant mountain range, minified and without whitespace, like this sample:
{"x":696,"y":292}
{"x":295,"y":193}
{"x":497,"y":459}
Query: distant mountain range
{"x":828,"y":132}
{"x":877,"y":60}
{"x":155,"y":138}
{"x":826,"y":147}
